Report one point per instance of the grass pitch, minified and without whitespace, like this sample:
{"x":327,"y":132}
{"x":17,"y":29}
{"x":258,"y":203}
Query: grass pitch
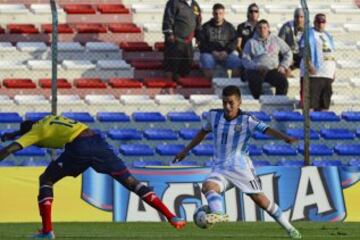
{"x":162,"y":231}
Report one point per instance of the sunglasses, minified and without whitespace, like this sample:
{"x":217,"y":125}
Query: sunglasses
{"x":253,"y":11}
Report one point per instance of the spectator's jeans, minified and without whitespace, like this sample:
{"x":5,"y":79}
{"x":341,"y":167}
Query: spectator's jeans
{"x":207,"y":61}
{"x":275,"y":78}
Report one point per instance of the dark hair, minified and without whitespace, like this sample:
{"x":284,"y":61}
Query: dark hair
{"x":26,"y":126}
{"x":253,"y":5}
{"x":262,"y":21}
{"x":218,"y":6}
{"x":231,"y":90}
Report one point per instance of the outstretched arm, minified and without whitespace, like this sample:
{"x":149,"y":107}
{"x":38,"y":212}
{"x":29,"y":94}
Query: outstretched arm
{"x":11,"y":148}
{"x":279,"y":135}
{"x":195,"y":141}
{"x":10,"y":136}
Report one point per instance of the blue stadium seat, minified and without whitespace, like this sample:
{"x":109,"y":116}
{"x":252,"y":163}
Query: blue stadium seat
{"x":324,"y":117}
{"x":351,"y":116}
{"x":36,"y":116}
{"x":31,"y":151}
{"x":279,"y":150}
{"x":290,"y":163}
{"x":299,"y":133}
{"x":145,"y":163}
{"x":204,"y":115}
{"x":337,"y":134}
{"x":10,"y":117}
{"x":148,"y":117}
{"x":262,"y":136}
{"x":84,"y":117}
{"x":358,"y":132}
{"x":7,"y":163}
{"x":136,"y":150}
{"x":317,"y":150}
{"x":190,"y":133}
{"x":354,"y":163}
{"x":347,"y":149}
{"x":160,"y":134}
{"x":287,"y":116}
{"x":124,"y":134}
{"x":187,"y":163}
{"x":35,"y":163}
{"x":262,"y":116}
{"x":254,"y":150}
{"x":261,"y":163}
{"x":112,"y":117}
{"x":327,"y":163}
{"x":57,"y":151}
{"x":203,"y":150}
{"x":183,"y":117}
{"x":169,"y":149}
{"x":209,"y":163}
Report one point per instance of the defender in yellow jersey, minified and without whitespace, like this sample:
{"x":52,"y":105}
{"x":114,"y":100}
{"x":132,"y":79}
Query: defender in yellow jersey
{"x":84,"y":148}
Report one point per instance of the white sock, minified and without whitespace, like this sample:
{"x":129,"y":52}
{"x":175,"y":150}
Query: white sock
{"x":274,"y":211}
{"x":215,"y":202}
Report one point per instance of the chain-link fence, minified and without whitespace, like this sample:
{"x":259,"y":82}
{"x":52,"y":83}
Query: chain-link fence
{"x":110,"y":71}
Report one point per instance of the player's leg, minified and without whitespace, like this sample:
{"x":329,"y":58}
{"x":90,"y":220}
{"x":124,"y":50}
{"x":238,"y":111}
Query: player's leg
{"x":274,"y":210}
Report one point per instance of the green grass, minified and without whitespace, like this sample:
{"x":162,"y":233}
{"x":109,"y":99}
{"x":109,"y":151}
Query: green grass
{"x":152,"y":231}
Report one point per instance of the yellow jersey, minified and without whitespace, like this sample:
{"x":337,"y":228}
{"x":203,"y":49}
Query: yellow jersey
{"x":52,"y":132}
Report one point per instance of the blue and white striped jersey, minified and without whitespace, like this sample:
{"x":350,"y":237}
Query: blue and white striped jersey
{"x":231,"y":138}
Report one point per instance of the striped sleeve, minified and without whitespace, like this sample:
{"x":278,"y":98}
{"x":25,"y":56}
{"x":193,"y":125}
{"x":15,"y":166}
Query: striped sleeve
{"x":257,"y":125}
{"x":206,"y":124}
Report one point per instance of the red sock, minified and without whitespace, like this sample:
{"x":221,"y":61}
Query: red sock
{"x":156,"y":203}
{"x":45,"y":213}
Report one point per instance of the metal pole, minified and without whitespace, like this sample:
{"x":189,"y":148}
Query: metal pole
{"x":306,"y":85}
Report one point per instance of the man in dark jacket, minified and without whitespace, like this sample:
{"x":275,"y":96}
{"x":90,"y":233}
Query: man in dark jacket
{"x":182,"y":21}
{"x":217,"y":42}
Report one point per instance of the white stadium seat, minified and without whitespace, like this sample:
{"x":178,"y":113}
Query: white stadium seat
{"x":7,"y":46}
{"x":13,"y":9}
{"x":44,"y":9}
{"x":12,"y":65}
{"x":101,"y":99}
{"x":148,"y":8}
{"x":78,"y":65}
{"x":31,"y":46}
{"x":113,"y":64}
{"x":70,"y":46}
{"x":101,"y":46}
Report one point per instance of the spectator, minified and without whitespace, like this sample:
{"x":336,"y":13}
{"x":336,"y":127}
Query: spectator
{"x":322,"y":65}
{"x":261,"y":60}
{"x":246,"y":29}
{"x":182,"y":21}
{"x":291,"y":32}
{"x":217,"y":42}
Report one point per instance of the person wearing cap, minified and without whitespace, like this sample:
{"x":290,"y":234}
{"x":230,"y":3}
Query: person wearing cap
{"x":217,"y":43}
{"x":322,"y":65}
{"x":261,"y":60}
{"x":291,"y":32}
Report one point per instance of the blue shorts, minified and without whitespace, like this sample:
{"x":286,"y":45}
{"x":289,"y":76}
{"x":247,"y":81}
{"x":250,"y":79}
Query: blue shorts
{"x":91,"y":151}
{"x":207,"y":61}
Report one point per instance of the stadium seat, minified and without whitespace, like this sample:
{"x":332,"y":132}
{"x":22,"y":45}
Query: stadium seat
{"x":160,"y":134}
{"x":22,"y":29}
{"x":7,"y":46}
{"x":101,"y":99}
{"x":35,"y":116}
{"x":286,"y":116}
{"x":337,"y":134}
{"x":39,"y":9}
{"x":90,"y":28}
{"x":31,"y":151}
{"x":13,"y":9}
{"x":70,"y":47}
{"x":35,"y":163}
{"x":174,"y":100}
{"x":261,"y":136}
{"x":89,"y":83}
{"x":146,"y":163}
{"x":351,"y":116}
{"x":112,"y":117}
{"x":124,"y":134}
{"x":159,"y":83}
{"x":112,"y":9}
{"x":79,"y":116}
{"x":261,"y":163}
{"x":194,"y":82}
{"x":327,"y":163}
{"x":324,"y":117}
{"x":19,"y":83}
{"x":354,"y":163}
{"x":136,"y":150}
{"x":7,"y":163}
{"x":254,"y":150}
{"x":63,"y":28}
{"x":159,"y":46}
{"x":190,"y":133}
{"x":201,"y":99}
{"x":10,"y":117}
{"x":70,"y":100}
{"x":203,"y":150}
{"x":113,"y":65}
{"x":78,"y":65}
{"x":124,"y":28}
{"x":61,"y":83}
{"x":125,"y":83}
{"x":135,"y":46}
{"x":148,"y":117}
{"x":143,"y":64}
{"x":169,"y":149}
{"x":279,"y":150}
{"x":347,"y":149}
{"x":31,"y":99}
{"x":185,"y":163}
{"x":79,"y":9}
{"x":31,"y":46}
{"x":299,"y":134}
{"x":358,"y":132}
{"x":143,"y":100}
{"x":317,"y":150}
{"x":36,"y":65}
{"x":262,"y":116}
{"x":101,"y":46}
{"x":183,"y":117}
{"x":290,"y":163}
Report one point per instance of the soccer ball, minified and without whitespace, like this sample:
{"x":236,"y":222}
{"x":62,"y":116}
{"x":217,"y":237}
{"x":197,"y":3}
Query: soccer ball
{"x":200,"y":217}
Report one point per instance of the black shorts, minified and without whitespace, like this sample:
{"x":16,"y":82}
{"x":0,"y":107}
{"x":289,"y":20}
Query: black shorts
{"x":178,"y":58}
{"x":92,"y":151}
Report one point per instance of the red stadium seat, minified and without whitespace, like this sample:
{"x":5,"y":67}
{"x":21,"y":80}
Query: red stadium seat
{"x":112,"y":9}
{"x":143,"y":64}
{"x":125,"y":83}
{"x":135,"y":46}
{"x":194,"y":82}
{"x":124,"y":28}
{"x":90,"y":28}
{"x":61,"y":83}
{"x":2,"y":30}
{"x":159,"y":83}
{"x":62,"y":28}
{"x":159,"y":46}
{"x":79,"y":9}
{"x":89,"y":83}
{"x":19,"y":83}
{"x":22,"y":28}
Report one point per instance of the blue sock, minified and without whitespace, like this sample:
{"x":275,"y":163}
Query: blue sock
{"x":215,"y":202}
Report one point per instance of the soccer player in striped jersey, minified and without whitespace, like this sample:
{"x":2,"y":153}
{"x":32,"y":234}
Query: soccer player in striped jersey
{"x":232,"y":129}
{"x":84,"y":148}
